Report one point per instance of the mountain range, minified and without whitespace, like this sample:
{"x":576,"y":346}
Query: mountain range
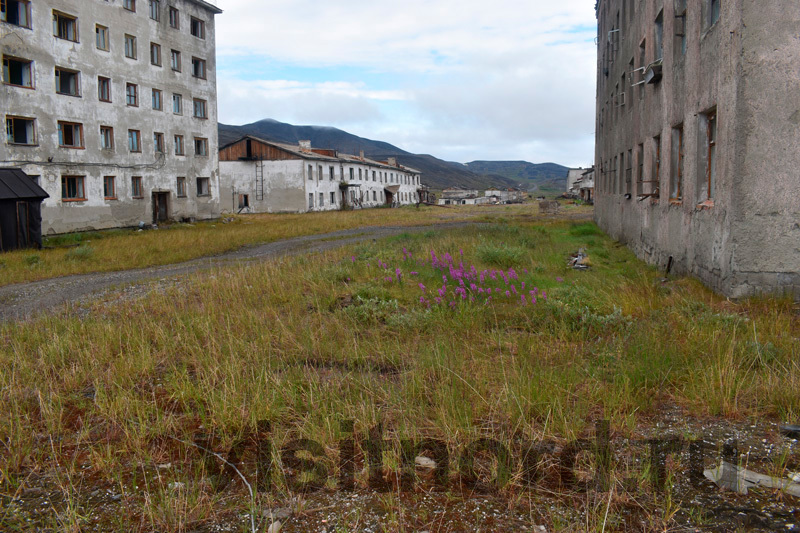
{"x":436,"y":173}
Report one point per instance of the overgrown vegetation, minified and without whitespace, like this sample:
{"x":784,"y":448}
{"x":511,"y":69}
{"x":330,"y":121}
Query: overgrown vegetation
{"x":113,"y":401}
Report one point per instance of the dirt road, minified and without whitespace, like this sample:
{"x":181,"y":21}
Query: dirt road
{"x":25,"y":300}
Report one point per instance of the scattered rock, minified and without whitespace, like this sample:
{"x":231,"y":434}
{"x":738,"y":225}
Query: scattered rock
{"x":424,"y":462}
{"x":275,"y":527}
{"x":164,"y":466}
{"x":732,"y":477}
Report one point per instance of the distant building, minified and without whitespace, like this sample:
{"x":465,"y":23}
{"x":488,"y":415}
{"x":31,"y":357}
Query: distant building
{"x":507,"y":196}
{"x":455,"y":193}
{"x":698,"y":144}
{"x":111,"y":107}
{"x":573,"y":175}
{"x":260,"y":176}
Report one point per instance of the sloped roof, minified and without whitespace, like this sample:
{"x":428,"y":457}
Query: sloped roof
{"x":16,"y":185}
{"x":211,"y":7}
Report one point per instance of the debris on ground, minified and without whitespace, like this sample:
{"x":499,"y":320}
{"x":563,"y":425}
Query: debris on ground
{"x":579,"y":260}
{"x":737,"y":479}
{"x":791,"y":431}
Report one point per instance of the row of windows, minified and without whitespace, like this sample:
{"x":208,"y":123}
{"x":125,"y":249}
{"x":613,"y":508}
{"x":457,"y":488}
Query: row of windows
{"x":73,"y":188}
{"x":616,"y":174}
{"x":19,"y":72}
{"x":65,"y":26}
{"x":363,"y":175}
{"x":22,"y":131}
{"x":354,"y":199}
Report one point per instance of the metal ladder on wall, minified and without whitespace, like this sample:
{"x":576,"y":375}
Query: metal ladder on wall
{"x":260,"y":180}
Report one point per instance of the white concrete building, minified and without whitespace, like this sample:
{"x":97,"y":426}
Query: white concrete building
{"x":505,"y":196}
{"x":111,"y":106}
{"x":260,"y":176}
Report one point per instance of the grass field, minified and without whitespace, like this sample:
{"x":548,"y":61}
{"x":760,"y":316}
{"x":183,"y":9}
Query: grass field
{"x":104,"y":412}
{"x":111,"y":250}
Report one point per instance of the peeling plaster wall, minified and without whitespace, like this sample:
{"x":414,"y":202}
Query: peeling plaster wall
{"x":745,"y":66}
{"x":159,"y":173}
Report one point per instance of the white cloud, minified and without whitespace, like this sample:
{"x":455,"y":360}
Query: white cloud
{"x":512,"y":78}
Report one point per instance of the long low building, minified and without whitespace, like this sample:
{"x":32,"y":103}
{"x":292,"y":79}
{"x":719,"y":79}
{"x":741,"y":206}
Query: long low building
{"x":260,"y":176}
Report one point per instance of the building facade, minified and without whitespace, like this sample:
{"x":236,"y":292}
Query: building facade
{"x":698,"y":145}
{"x":260,"y":176}
{"x":111,"y":106}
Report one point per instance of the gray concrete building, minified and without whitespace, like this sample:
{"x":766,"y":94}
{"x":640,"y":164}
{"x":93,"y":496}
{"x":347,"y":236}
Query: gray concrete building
{"x":111,"y":106}
{"x":698,"y":138}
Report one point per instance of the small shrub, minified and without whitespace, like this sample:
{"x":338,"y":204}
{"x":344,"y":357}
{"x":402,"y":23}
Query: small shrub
{"x":501,"y":255}
{"x":584,"y":229}
{"x":81,"y":253}
{"x":373,"y":310}
{"x":33,"y":259}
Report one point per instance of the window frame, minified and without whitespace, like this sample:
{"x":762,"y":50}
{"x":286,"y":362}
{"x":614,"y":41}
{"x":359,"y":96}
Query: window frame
{"x":199,"y":103}
{"x":204,"y":143}
{"x":100,"y":30}
{"x":177,"y":99}
{"x":112,"y":180}
{"x":12,"y":119}
{"x":158,"y":143}
{"x":80,"y":188}
{"x":27,"y":5}
{"x":57,"y":21}
{"x":179,"y":145}
{"x":136,"y":137}
{"x":27,"y":63}
{"x":61,"y":134}
{"x":200,"y":192}
{"x":155,"y":59}
{"x":129,"y":5}
{"x":103,"y":81}
{"x":137,"y":186}
{"x":130,"y":47}
{"x":677,"y":159}
{"x":154,"y":10}
{"x":174,"y":18}
{"x":103,"y":131}
{"x":157,"y":97}
{"x":180,"y":187}
{"x":201,"y":25}
{"x":175,"y":60}
{"x":58,"y":80}
{"x":128,"y":94}
{"x":199,"y":62}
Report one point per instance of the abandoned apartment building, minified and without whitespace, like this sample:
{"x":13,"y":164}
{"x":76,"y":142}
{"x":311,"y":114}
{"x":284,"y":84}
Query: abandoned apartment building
{"x":110,"y":106}
{"x":259,"y":176}
{"x":698,"y":143}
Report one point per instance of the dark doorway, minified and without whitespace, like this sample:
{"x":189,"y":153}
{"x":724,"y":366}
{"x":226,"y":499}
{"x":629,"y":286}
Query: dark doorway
{"x":160,"y":207}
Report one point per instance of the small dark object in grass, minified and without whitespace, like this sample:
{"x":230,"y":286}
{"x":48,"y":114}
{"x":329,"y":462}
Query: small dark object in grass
{"x":793,"y":432}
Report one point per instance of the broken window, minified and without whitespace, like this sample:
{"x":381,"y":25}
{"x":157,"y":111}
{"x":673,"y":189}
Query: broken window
{"x":155,"y":54}
{"x":134,"y":141}
{"x":374,"y":196}
{"x":132,"y":94}
{"x":713,"y":11}
{"x":333,"y":198}
{"x":155,"y":9}
{"x":72,"y":188}
{"x":109,"y":187}
{"x":101,"y":37}
{"x":311,"y":200}
{"x":18,"y":72}
{"x":65,"y":26}
{"x":20,"y":130}
{"x":177,"y":104}
{"x":198,"y":28}
{"x":351,"y":175}
{"x":130,"y":46}
{"x":310,"y":172}
{"x":70,"y":135}
{"x":67,"y":82}
{"x":181,"y":188}
{"x":680,"y":28}
{"x":203,"y":187}
{"x":16,"y":12}
{"x":708,"y":125}
{"x":175,"y":60}
{"x":200,"y":146}
{"x":157,"y":100}
{"x":199,"y":68}
{"x":655,"y":178}
{"x":629,"y":174}
{"x":178,"y":145}
{"x":332,"y":172}
{"x":174,"y":18}
{"x":106,"y":137}
{"x":158,"y":142}
{"x":200,"y":108}
{"x":136,"y":187}
{"x":322,"y":199}
{"x":676,"y":164}
{"x":659,"y":35}
{"x":373,"y":175}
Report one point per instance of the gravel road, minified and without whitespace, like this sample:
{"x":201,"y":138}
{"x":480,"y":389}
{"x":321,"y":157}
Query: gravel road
{"x":24,"y":301}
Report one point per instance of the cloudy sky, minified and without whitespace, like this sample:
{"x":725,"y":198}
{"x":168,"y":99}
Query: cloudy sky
{"x":460,"y":79}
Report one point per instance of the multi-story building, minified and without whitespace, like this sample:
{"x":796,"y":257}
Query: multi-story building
{"x":111,"y":106}
{"x":698,"y":144}
{"x":260,"y":176}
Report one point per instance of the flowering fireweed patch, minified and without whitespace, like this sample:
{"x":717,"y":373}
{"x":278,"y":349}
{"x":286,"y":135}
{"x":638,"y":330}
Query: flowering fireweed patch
{"x":440,"y":279}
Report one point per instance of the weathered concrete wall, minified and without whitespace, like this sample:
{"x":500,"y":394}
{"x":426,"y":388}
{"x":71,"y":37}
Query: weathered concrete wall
{"x":283,"y":190}
{"x":742,"y":240}
{"x":159,"y":172}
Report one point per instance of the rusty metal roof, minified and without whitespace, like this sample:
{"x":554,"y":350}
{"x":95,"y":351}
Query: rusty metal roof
{"x":16,"y":185}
